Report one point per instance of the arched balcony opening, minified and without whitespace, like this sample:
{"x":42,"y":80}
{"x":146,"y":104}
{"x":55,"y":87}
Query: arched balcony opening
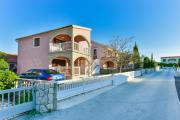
{"x":61,"y":42}
{"x":61,"y":39}
{"x":62,"y":65}
{"x":81,"y":44}
{"x":109,"y":65}
{"x":81,"y":66}
{"x":64,"y":42}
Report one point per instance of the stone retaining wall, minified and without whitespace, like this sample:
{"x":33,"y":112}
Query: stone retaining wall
{"x":46,"y":97}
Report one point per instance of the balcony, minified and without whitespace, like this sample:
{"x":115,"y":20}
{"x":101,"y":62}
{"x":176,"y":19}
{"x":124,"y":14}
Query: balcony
{"x":67,"y":46}
{"x":78,"y":71}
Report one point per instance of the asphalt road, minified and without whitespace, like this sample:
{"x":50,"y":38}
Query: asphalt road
{"x":152,"y":97}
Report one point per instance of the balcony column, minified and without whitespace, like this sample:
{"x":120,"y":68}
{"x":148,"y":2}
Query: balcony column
{"x":67,"y":64}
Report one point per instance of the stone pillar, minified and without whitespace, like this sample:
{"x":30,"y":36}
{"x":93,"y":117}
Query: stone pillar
{"x":46,"y":97}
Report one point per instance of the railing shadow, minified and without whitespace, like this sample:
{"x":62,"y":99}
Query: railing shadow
{"x":177,"y":84}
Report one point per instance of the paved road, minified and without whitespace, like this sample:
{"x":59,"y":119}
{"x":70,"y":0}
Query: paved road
{"x":152,"y":97}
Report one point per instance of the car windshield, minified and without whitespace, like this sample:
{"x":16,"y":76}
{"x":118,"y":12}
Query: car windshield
{"x":29,"y":71}
{"x":51,"y":72}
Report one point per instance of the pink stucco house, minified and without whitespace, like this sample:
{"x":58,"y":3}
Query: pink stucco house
{"x":68,"y":50}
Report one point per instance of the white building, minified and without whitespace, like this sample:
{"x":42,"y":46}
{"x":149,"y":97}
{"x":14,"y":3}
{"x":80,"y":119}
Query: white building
{"x":170,"y":59}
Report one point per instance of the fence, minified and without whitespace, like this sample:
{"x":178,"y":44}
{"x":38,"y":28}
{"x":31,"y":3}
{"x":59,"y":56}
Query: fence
{"x":16,"y":101}
{"x":71,"y":88}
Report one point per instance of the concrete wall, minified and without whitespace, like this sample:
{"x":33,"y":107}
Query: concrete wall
{"x":120,"y":78}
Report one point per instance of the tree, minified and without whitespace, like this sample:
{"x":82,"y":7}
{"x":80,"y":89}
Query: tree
{"x":7,"y":79}
{"x":3,"y":64}
{"x":136,"y":57}
{"x":124,"y":59}
{"x":121,"y":50}
{"x":3,"y":55}
{"x":152,"y":62}
{"x":146,"y":63}
{"x":179,"y":63}
{"x":142,"y":60}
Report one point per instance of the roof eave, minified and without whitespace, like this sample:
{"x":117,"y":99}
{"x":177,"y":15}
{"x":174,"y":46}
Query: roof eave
{"x":75,"y":26}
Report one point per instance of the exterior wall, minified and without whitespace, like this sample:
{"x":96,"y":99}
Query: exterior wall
{"x":83,"y":43}
{"x":85,"y":33}
{"x":100,"y":50}
{"x":33,"y":57}
{"x":66,"y":31}
{"x":102,"y":54}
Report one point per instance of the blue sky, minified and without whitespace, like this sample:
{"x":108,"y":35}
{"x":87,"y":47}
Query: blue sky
{"x":154,"y":23}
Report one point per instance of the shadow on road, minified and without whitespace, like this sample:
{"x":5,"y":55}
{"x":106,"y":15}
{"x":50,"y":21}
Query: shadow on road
{"x":177,"y":83}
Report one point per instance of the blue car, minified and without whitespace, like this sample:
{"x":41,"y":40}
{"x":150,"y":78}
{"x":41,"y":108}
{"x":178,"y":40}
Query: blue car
{"x":43,"y":74}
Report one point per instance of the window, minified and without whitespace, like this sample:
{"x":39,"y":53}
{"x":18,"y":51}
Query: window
{"x":172,"y":60}
{"x":33,"y":72}
{"x":95,"y":52}
{"x":51,"y":72}
{"x":36,"y":42}
{"x":164,"y":60}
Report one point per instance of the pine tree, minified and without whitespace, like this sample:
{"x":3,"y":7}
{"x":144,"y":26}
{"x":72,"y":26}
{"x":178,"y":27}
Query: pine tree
{"x":136,"y":57}
{"x":152,"y":61}
{"x":179,"y":63}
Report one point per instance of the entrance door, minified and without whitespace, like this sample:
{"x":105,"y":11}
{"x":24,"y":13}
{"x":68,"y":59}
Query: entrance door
{"x":82,"y":66}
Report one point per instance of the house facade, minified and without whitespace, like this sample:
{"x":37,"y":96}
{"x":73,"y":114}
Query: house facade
{"x":68,"y":50}
{"x":12,"y":61}
{"x":170,"y":59}
{"x":104,"y":54}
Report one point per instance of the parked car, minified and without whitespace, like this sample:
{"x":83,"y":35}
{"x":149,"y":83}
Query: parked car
{"x":43,"y":74}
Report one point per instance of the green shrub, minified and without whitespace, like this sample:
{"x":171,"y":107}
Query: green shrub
{"x":108,"y":71}
{"x":7,"y":79}
{"x":3,"y":64}
{"x":168,"y":65}
{"x":3,"y":55}
{"x":128,"y":70}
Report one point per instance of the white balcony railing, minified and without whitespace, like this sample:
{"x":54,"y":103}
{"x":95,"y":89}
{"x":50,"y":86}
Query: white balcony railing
{"x":67,"y":70}
{"x":58,"y":47}
{"x":82,"y":49}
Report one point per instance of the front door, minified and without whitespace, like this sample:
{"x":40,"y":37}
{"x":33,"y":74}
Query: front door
{"x":82,"y":66}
